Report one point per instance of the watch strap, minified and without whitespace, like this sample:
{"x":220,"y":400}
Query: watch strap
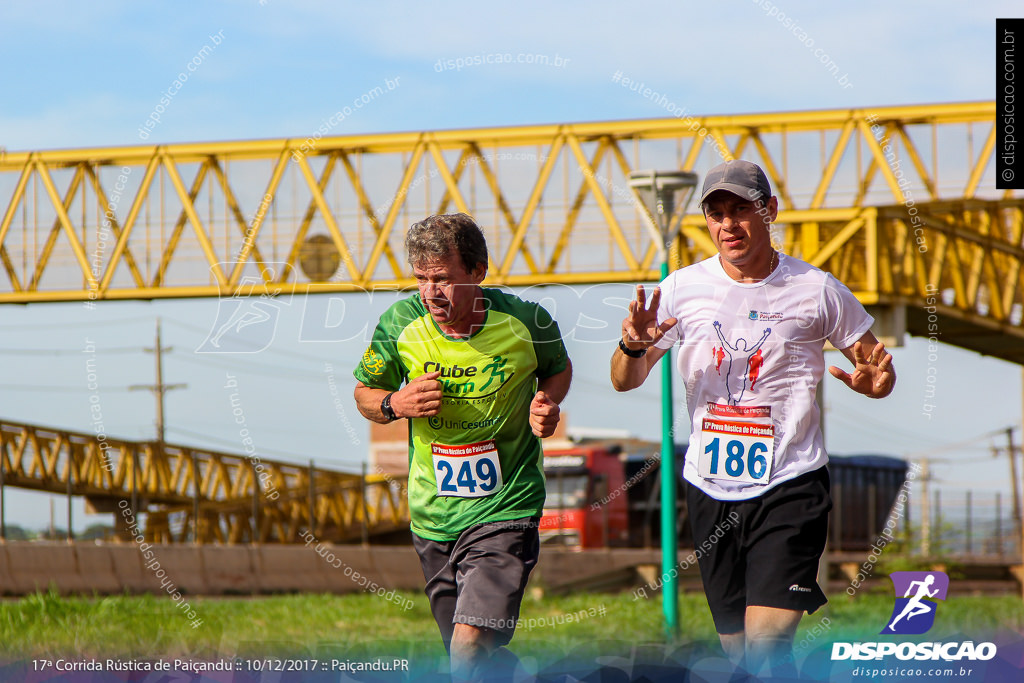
{"x":632,"y":353}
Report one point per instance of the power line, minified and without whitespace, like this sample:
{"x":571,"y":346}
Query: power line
{"x":250,"y":367}
{"x":965,"y":444}
{"x":64,"y":326}
{"x":859,"y":424}
{"x":292,"y":457}
{"x":56,"y":389}
{"x":255,"y":347}
{"x":60,"y":352}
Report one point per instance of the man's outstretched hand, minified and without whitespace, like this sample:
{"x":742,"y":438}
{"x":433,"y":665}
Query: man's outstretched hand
{"x":640,"y":328}
{"x":873,"y":376}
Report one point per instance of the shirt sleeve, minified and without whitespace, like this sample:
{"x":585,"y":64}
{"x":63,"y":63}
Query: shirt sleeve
{"x":552,"y":358}
{"x":381,"y":366}
{"x":846,"y":320}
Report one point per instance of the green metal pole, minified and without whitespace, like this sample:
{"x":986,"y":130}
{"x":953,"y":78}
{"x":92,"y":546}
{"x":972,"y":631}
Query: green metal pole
{"x":669,"y":591}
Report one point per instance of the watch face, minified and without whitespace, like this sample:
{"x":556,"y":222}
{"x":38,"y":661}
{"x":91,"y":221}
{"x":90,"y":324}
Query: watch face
{"x":385,"y":407}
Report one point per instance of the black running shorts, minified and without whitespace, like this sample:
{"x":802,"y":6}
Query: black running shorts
{"x":762,"y":551}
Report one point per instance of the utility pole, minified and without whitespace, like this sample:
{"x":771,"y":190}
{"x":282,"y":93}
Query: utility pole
{"x":1012,"y":453}
{"x":1020,"y":529}
{"x":926,"y":515}
{"x":158,"y":389}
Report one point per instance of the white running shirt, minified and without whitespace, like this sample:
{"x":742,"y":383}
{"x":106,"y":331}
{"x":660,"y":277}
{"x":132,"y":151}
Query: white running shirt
{"x":751,"y":356}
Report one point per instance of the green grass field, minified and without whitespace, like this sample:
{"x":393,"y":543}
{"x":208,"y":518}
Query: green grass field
{"x":45,"y":625}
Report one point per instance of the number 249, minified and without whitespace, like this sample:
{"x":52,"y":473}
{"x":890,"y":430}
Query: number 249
{"x":484,"y":470}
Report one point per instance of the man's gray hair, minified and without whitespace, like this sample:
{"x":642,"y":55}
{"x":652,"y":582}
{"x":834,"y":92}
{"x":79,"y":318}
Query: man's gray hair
{"x":440,"y":236}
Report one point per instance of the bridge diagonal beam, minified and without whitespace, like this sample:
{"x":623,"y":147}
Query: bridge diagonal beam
{"x":532,"y":202}
{"x":589,"y":173}
{"x":310,"y":213}
{"x":1012,"y":292}
{"x":59,"y":224}
{"x":248,"y":234}
{"x":984,"y":157}
{"x":506,"y":211}
{"x":878,"y":161}
{"x":830,"y":248}
{"x":121,"y":247}
{"x":452,"y":187}
{"x":389,"y":222}
{"x":65,"y":223}
{"x":254,"y":229}
{"x":367,"y":207}
{"x":328,"y":218}
{"x":577,"y":204}
{"x":111,"y":218}
{"x":829,"y":172}
{"x":461,"y":164}
{"x":188,"y":208}
{"x":915,"y":158}
{"x":8,"y":218}
{"x":187,"y":198}
{"x":772,"y":170}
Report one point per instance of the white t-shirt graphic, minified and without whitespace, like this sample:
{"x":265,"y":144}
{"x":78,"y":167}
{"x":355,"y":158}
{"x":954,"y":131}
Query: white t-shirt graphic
{"x":751,"y":356}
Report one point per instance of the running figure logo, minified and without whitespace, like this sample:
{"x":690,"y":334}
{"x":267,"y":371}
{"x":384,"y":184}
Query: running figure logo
{"x":495,"y":368}
{"x":742,"y":352}
{"x":914,"y":613}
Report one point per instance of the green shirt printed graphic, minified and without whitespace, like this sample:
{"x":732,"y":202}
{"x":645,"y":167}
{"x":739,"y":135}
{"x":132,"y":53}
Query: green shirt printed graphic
{"x":488,"y":381}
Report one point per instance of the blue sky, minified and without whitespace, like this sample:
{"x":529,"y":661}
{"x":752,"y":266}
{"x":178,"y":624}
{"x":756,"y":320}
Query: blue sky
{"x":86,"y":75}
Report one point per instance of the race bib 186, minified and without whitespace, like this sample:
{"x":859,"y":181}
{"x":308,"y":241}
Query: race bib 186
{"x":736,"y":451}
{"x":467,"y":471}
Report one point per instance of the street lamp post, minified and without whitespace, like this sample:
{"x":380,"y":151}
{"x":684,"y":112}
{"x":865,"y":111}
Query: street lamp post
{"x":665,"y":195}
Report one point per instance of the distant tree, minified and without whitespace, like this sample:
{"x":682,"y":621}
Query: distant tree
{"x":56,"y":534}
{"x":13,"y":532}
{"x":96,"y":532}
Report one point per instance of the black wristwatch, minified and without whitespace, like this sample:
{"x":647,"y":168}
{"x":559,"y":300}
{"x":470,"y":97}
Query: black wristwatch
{"x":632,"y":353}
{"x":385,"y":407}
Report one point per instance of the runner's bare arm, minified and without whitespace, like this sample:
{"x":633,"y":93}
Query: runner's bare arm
{"x":421,"y":397}
{"x":544,"y":409}
{"x":873,"y":375}
{"x":640,"y":330}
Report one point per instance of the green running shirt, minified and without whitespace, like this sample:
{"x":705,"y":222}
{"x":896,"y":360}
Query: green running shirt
{"x":488,"y":381}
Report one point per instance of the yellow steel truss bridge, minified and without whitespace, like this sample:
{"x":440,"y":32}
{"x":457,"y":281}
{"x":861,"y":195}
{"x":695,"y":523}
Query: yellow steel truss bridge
{"x":194,"y":494}
{"x":898,"y":202}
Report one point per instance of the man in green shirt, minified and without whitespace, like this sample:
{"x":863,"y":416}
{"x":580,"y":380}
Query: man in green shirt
{"x":479,"y":373}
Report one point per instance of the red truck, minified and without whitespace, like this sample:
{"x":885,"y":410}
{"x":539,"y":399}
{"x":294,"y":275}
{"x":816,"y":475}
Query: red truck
{"x":600,"y":496}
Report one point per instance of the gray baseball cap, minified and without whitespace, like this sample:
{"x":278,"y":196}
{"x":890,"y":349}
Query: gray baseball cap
{"x":742,"y":178}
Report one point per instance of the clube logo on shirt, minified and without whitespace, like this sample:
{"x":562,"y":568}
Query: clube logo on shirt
{"x":373,"y":362}
{"x":457,"y":380}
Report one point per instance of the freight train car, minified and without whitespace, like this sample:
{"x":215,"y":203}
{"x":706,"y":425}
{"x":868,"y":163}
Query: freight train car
{"x":608,"y":494}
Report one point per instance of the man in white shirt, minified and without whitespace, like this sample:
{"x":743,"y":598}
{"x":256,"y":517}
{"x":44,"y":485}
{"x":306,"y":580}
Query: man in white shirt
{"x":751,"y":324}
